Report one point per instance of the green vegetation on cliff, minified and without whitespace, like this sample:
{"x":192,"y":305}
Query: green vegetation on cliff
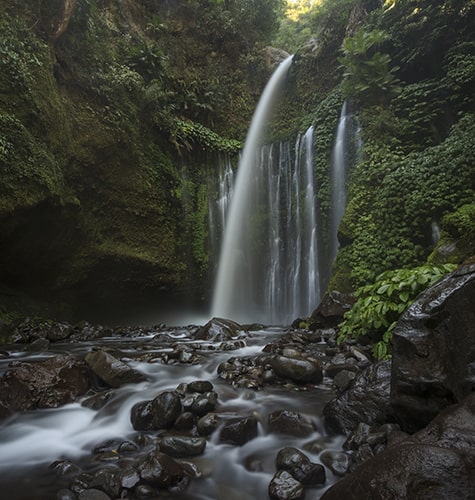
{"x":408,"y":70}
{"x":112,"y":115}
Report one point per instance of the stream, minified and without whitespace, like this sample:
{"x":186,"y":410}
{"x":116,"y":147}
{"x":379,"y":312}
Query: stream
{"x":31,"y":441}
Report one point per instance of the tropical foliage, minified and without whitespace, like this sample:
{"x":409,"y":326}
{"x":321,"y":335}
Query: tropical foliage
{"x":380,"y":304}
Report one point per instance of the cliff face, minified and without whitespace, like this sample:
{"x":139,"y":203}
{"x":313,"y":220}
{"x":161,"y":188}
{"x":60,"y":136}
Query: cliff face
{"x":103,"y":106}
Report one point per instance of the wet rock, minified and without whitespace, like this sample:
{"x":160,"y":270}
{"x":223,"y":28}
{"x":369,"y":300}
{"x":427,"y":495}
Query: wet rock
{"x":436,"y":462}
{"x":185,"y":421}
{"x":98,"y":401}
{"x":43,"y":384}
{"x":200,"y":386}
{"x":39,"y":345}
{"x":160,"y":470}
{"x":219,"y":330}
{"x":65,"y":468}
{"x":239,"y":431}
{"x":298,"y":369}
{"x":204,"y":403}
{"x":366,"y":401}
{"x":290,"y":423}
{"x":112,"y":371}
{"x":333,"y":369}
{"x":284,"y":486}
{"x":93,"y":494}
{"x":127,"y":447}
{"x":208,"y":424}
{"x":65,"y":494}
{"x":357,"y":437}
{"x":331,"y":309}
{"x":80,"y":482}
{"x":182,"y":446}
{"x":343,"y":379}
{"x":299,"y":465}
{"x":59,"y":331}
{"x":337,"y":461}
{"x":129,"y":478}
{"x":434,"y":350}
{"x":191,"y":469}
{"x":107,"y":480}
{"x":159,"y":413}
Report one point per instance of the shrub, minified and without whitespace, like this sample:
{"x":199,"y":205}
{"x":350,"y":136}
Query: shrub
{"x":380,"y":304}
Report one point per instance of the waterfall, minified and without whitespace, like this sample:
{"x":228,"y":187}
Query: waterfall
{"x":339,"y":170}
{"x":268,"y":270}
{"x":218,"y":205}
{"x":435,"y":232}
{"x":236,"y":285}
{"x":313,"y":293}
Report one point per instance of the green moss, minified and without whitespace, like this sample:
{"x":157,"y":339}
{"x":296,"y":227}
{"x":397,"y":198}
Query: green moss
{"x":457,"y":241}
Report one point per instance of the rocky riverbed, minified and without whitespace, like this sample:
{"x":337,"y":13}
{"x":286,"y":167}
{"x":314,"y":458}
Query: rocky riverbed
{"x":214,"y":411}
{"x":224,"y":411}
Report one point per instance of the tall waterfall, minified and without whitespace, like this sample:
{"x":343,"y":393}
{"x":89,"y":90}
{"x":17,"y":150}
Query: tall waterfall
{"x":268,"y":269}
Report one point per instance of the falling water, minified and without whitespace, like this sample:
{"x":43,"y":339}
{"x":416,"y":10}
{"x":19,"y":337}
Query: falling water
{"x":435,"y":232}
{"x":282,"y":264}
{"x":283,"y":261}
{"x":338,"y":179}
{"x":313,"y":292}
{"x":291,"y":269}
{"x":218,"y":205}
{"x":235,"y":284}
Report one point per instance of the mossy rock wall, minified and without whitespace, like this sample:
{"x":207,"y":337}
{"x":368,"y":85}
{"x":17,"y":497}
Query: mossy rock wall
{"x":112,"y":117}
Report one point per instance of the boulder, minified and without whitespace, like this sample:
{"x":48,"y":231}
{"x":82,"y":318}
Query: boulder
{"x":337,"y":461}
{"x":366,"y":401}
{"x":182,"y":446}
{"x":434,"y":350}
{"x":43,"y":384}
{"x":284,"y":486}
{"x":112,"y":371}
{"x":299,"y":465}
{"x":331,"y":309}
{"x":160,"y":470}
{"x":290,"y":423}
{"x":298,"y":368}
{"x":208,"y":424}
{"x":239,"y":431}
{"x":219,"y":330}
{"x":436,"y":462}
{"x":156,"y":414}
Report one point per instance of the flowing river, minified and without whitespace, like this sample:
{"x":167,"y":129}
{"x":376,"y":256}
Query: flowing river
{"x":31,"y":441}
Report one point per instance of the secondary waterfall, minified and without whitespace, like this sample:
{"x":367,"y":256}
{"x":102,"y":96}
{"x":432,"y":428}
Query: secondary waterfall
{"x":268,"y":269}
{"x":338,"y":179}
{"x":218,"y":205}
